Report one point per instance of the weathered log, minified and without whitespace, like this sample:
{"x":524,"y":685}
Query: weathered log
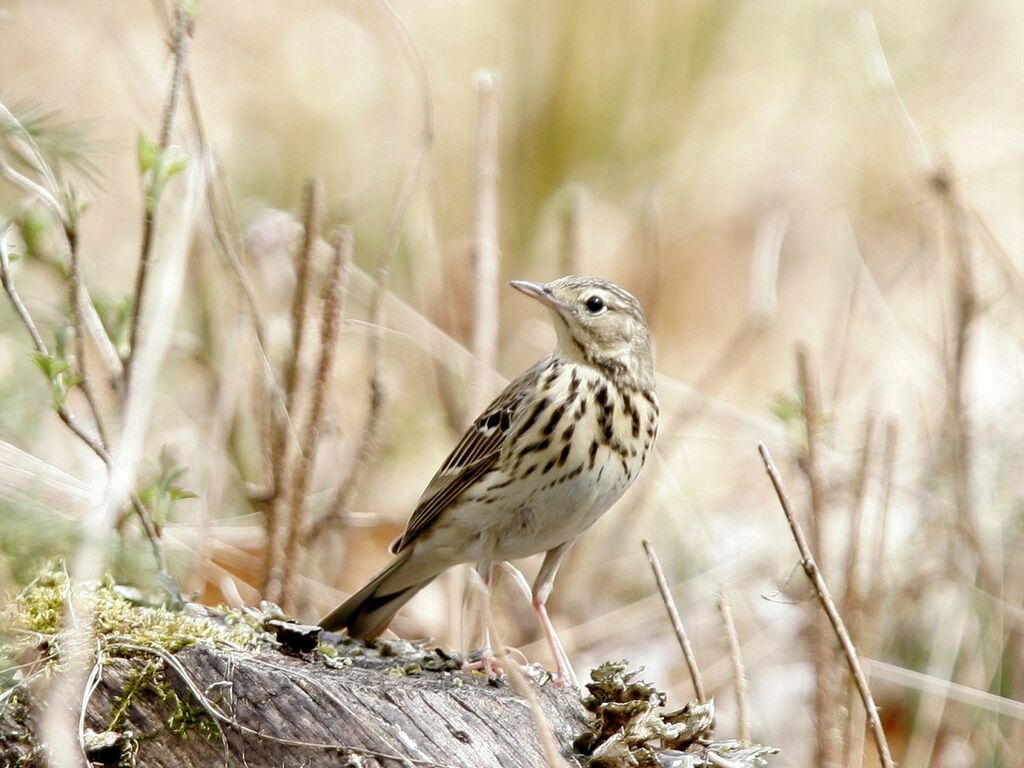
{"x":267,"y":708}
{"x":204,"y":688}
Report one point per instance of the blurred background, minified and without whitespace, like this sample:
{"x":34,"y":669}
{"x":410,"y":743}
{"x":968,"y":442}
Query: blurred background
{"x":759,"y":174}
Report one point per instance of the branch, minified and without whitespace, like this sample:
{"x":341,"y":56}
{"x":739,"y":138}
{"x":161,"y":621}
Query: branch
{"x":828,"y":605}
{"x":181,"y":42}
{"x":826,"y":690}
{"x":330,"y":325}
{"x":739,"y":680}
{"x":95,"y":443}
{"x":371,"y":425}
{"x":677,"y":623}
{"x":282,"y":442}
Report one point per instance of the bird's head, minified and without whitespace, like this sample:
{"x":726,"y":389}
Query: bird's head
{"x":598,"y":324}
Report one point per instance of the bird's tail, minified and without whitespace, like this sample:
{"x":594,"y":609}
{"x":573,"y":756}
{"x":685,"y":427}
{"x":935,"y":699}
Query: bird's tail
{"x":369,"y":611}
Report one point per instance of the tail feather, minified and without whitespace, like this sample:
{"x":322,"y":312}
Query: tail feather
{"x":369,"y":611}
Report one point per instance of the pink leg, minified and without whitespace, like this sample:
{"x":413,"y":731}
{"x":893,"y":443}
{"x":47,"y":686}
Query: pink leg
{"x":488,"y":662}
{"x":564,"y":674}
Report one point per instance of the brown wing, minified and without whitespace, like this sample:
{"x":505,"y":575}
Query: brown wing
{"x":472,"y":457}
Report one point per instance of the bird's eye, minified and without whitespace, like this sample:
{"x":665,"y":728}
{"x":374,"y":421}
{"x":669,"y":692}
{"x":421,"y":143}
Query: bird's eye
{"x":594,"y":304}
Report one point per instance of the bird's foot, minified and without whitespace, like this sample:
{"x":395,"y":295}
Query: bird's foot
{"x":487,"y":662}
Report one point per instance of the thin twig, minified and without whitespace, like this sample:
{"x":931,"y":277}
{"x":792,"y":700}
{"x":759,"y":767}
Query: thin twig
{"x":853,"y":602}
{"x":330,"y":325}
{"x":828,"y":605}
{"x":181,"y":43}
{"x":486,"y":253}
{"x":95,"y":443}
{"x":826,"y":692}
{"x":78,"y":329}
{"x":853,"y":597}
{"x":66,"y":219}
{"x":870,"y":596}
{"x":552,"y":755}
{"x":371,"y":426}
{"x":282,"y":446}
{"x":57,"y":724}
{"x":739,"y":680}
{"x":677,"y":623}
{"x":941,"y":182}
{"x":827,"y":684}
{"x":232,"y":249}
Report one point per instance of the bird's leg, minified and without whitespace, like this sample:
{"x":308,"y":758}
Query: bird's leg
{"x":487,"y":660}
{"x":564,"y":674}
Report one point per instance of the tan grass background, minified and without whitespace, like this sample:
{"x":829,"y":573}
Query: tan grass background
{"x":741,"y":166}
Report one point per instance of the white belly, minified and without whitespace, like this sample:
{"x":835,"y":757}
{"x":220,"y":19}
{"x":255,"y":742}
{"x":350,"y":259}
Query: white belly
{"x":545,"y":498}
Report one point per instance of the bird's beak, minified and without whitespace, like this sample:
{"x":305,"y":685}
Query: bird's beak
{"x":538,"y":291}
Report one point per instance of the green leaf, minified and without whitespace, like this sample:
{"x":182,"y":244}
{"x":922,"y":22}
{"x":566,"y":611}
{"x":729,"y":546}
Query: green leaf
{"x":174,"y":167}
{"x":148,"y":154}
{"x":788,"y":408}
{"x":161,"y":494}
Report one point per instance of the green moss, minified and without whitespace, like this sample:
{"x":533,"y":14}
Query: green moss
{"x":39,"y":610}
{"x":123,"y":629}
{"x":136,"y":681}
{"x":185,"y":717}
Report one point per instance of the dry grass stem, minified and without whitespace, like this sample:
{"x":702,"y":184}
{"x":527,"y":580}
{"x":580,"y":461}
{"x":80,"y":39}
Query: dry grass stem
{"x":853,"y":601}
{"x":58,"y":726}
{"x":283,"y":448}
{"x":853,"y":597}
{"x":828,"y":733}
{"x":78,"y":331}
{"x":552,"y":755}
{"x":371,"y":426}
{"x":677,"y":623}
{"x":810,"y":567}
{"x":486,"y":253}
{"x":330,"y":325}
{"x":95,"y":443}
{"x":739,"y":679}
{"x":180,"y":44}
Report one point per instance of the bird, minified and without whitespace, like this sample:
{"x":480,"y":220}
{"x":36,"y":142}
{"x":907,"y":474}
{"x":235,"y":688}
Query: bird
{"x":547,"y":458}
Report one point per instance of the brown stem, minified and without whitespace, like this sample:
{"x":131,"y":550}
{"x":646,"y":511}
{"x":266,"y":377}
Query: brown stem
{"x":329,"y":330}
{"x":826,"y":691}
{"x":371,"y":426}
{"x":181,"y":43}
{"x":739,"y":679}
{"x":828,"y":605}
{"x":283,"y":444}
{"x":677,"y":623}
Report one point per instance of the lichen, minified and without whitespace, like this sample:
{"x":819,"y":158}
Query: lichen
{"x":629,"y":730}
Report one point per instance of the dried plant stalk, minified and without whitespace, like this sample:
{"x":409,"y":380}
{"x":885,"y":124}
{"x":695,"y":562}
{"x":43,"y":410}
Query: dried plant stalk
{"x":739,"y":679}
{"x":677,"y":623}
{"x":330,"y":325}
{"x":827,"y":683}
{"x":283,"y":449}
{"x":181,"y":44}
{"x":810,"y":567}
{"x":371,"y":427}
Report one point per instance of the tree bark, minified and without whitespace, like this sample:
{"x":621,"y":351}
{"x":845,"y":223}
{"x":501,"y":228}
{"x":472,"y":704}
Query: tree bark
{"x":275,"y":709}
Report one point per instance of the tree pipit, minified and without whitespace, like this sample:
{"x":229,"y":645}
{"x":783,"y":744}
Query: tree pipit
{"x":539,"y":466}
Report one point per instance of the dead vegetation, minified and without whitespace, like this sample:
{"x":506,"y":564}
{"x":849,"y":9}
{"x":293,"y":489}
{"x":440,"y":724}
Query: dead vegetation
{"x":217,"y":399}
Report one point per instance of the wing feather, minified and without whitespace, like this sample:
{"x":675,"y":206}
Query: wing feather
{"x":476,"y":453}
